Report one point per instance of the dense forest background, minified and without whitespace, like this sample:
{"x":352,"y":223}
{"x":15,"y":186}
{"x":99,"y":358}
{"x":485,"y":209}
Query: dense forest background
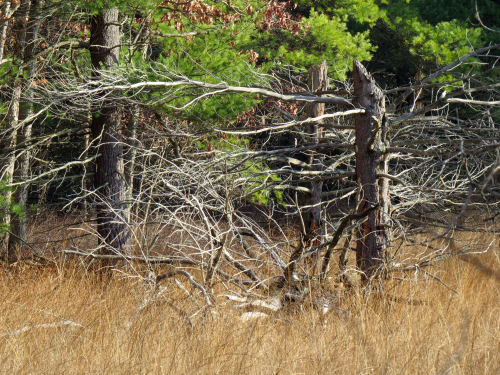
{"x":172,"y":115}
{"x":124,"y":113}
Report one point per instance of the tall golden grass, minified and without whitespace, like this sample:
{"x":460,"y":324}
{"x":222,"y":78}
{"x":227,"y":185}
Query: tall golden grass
{"x":66,"y":321}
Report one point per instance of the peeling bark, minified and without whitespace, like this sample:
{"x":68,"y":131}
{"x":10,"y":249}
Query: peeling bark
{"x":372,"y":235}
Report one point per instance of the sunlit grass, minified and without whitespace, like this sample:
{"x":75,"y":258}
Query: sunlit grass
{"x":55,"y":321}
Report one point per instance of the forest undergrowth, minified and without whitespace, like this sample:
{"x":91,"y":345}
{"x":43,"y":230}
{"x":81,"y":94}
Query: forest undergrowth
{"x":57,"y":319}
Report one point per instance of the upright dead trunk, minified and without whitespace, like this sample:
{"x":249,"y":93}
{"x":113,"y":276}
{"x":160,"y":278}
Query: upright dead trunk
{"x":318,"y":81}
{"x":109,"y":167}
{"x":18,"y":236}
{"x":130,"y":156}
{"x":85,"y":178}
{"x":372,"y":235}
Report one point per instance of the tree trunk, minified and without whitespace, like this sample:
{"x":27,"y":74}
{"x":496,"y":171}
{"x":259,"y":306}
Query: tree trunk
{"x":130,"y":157}
{"x":372,"y":236}
{"x":318,"y":81}
{"x":8,"y":169}
{"x":18,"y":237}
{"x":85,"y":178}
{"x":7,"y":11}
{"x":13,"y":116}
{"x":109,"y":167}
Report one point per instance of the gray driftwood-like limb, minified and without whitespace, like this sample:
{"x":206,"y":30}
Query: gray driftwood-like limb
{"x":296,"y":123}
{"x":216,"y":255}
{"x":181,"y":81}
{"x":187,"y":275}
{"x":271,"y":252}
{"x":338,"y":234}
{"x":239,"y":266}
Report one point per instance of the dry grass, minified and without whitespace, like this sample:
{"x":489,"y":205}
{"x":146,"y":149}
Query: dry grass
{"x":76,"y":323}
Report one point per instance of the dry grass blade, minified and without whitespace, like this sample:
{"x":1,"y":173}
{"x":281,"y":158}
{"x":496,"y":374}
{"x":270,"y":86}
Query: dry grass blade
{"x":382,"y":334}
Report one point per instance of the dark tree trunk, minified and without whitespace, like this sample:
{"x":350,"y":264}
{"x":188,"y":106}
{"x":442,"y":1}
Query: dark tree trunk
{"x":318,"y":80}
{"x":109,"y":167}
{"x":18,"y":236}
{"x":372,"y":236}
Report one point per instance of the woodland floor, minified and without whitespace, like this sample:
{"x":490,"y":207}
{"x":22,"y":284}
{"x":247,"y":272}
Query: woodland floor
{"x":62,"y":320}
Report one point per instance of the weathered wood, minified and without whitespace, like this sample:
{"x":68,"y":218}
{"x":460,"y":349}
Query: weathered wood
{"x":18,"y":235}
{"x":21,"y":172}
{"x":130,"y":156}
{"x":6,"y":13}
{"x":8,"y":170}
{"x":318,"y":81}
{"x":10,"y":142}
{"x":372,"y":235}
{"x":109,"y":176}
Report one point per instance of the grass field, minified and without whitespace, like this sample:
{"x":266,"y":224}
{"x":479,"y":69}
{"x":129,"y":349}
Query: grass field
{"x":55,"y":321}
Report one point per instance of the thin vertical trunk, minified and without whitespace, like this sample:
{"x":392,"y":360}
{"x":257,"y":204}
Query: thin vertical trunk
{"x":4,"y":23}
{"x":372,"y":236}
{"x":143,"y":39}
{"x":8,"y":170}
{"x":318,"y":81}
{"x":109,"y":176}
{"x":85,"y":179}
{"x":13,"y":116}
{"x":18,"y":236}
{"x":130,"y":158}
{"x":7,"y":11}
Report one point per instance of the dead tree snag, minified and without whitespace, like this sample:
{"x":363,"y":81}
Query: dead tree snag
{"x":318,"y":81}
{"x":372,"y":235}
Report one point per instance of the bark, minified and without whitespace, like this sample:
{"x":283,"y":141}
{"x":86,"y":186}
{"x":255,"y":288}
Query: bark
{"x":318,"y":81}
{"x":18,"y":237}
{"x":85,"y":178}
{"x":8,"y":169}
{"x":130,"y":157}
{"x":7,"y":11}
{"x":109,"y":177}
{"x":13,"y":115}
{"x":4,"y":23}
{"x":372,"y":235}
